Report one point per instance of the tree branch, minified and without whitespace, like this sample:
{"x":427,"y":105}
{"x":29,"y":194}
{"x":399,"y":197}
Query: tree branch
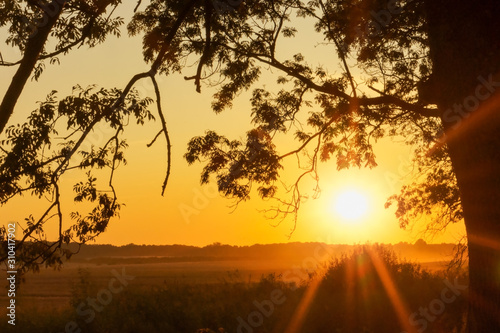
{"x":165,"y":131}
{"x":34,"y":48}
{"x":331,"y":121}
{"x":171,"y":35}
{"x":341,"y":51}
{"x":85,"y":33}
{"x":137,"y":6}
{"x":206,"y":51}
{"x":335,"y":91}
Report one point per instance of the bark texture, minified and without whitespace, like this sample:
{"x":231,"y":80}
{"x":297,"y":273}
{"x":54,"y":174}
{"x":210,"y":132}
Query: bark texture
{"x":465,"y":51}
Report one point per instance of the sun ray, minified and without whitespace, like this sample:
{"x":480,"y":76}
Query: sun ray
{"x":363,"y":276}
{"x":490,"y":244}
{"x":391,"y":290}
{"x":350,"y":293}
{"x":485,"y":241}
{"x":473,"y":121}
{"x":303,"y":307}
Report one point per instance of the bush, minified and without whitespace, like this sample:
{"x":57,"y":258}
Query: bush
{"x":352,"y":295}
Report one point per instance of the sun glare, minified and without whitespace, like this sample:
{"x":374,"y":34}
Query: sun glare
{"x":351,"y":205}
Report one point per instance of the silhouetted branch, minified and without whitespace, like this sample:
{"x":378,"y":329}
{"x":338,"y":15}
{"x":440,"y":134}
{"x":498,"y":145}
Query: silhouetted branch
{"x":59,"y":213}
{"x":292,"y":206}
{"x":330,"y":89}
{"x":165,"y":131}
{"x":155,"y":138}
{"x":137,"y":6}
{"x":317,"y":134}
{"x":171,"y":35}
{"x":341,"y":50}
{"x":32,"y":51}
{"x":85,"y":34}
{"x":113,"y":167}
{"x":206,"y":50}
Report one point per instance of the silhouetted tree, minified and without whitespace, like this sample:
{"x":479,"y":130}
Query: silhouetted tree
{"x":430,"y":70}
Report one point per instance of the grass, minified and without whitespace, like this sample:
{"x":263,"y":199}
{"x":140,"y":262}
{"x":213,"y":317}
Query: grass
{"x":348,"y":295}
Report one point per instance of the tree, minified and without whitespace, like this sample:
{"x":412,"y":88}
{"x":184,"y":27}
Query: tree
{"x":431,"y":73}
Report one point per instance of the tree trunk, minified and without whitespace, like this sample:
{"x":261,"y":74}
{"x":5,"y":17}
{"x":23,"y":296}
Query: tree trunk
{"x":465,"y":51}
{"x":34,"y":47}
{"x":475,"y":154}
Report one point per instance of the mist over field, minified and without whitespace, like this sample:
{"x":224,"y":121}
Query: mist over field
{"x":223,"y":288}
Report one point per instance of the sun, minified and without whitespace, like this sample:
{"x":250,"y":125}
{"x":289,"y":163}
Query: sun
{"x":351,"y":205}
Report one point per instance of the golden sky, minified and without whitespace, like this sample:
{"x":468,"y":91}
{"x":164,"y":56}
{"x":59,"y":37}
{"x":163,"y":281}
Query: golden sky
{"x":196,"y":215}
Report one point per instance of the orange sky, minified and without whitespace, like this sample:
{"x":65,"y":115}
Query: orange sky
{"x":189,"y":213}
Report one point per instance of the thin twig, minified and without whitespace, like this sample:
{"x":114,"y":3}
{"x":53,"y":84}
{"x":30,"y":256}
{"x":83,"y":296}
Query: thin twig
{"x":155,"y":138}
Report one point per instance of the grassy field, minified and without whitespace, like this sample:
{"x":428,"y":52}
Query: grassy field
{"x":196,"y":295}
{"x":52,"y":289}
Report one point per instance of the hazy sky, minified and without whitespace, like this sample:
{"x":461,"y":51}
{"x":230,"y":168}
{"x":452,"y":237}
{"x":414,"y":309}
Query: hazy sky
{"x":189,"y":213}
